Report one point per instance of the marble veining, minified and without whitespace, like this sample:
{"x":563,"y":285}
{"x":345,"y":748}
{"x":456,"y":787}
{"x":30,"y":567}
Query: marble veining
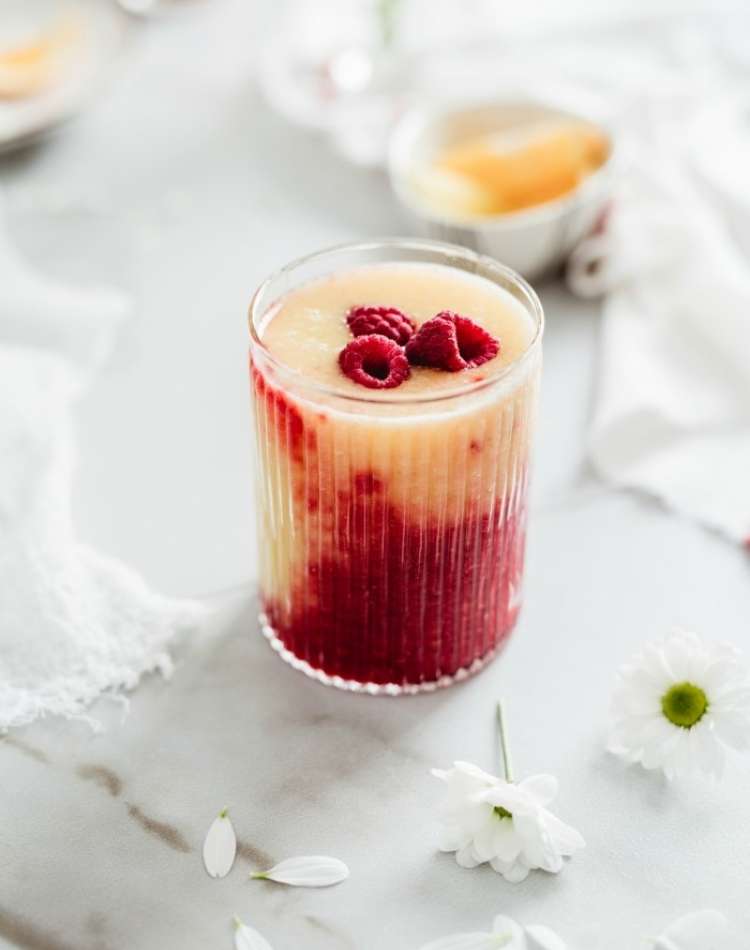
{"x":102,"y":776}
{"x":25,"y":748}
{"x":103,"y":832}
{"x":260,"y":859}
{"x":165,"y":832}
{"x":324,"y":927}
{"x":20,"y":932}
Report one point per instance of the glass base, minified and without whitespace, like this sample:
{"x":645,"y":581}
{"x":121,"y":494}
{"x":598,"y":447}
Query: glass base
{"x":374,"y":689}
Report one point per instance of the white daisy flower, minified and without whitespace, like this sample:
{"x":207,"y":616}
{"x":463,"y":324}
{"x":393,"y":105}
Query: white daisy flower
{"x":677,"y":705}
{"x":701,"y":930}
{"x":489,"y":819}
{"x":486,"y":819}
{"x":506,"y":933}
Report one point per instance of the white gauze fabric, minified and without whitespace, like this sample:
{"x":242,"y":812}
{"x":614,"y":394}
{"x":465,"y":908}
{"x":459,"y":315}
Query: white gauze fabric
{"x":73,"y":623}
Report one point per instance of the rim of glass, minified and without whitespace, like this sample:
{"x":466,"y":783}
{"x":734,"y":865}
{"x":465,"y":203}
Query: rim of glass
{"x":530,"y":300}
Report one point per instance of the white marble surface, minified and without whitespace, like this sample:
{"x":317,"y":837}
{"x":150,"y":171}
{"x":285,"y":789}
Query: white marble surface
{"x":181,"y":186}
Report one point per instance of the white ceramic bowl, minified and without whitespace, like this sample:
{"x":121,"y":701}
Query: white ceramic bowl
{"x":532,"y":241}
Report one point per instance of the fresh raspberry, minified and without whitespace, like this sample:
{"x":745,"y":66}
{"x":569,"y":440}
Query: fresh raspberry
{"x":385,"y":321}
{"x":374,"y":361}
{"x":450,"y":341}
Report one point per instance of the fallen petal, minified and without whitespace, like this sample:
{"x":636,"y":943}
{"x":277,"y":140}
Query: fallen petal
{"x":542,"y":938}
{"x":507,"y":928}
{"x":701,"y":930}
{"x":311,"y":871}
{"x":220,"y":846}
{"x":246,"y":938}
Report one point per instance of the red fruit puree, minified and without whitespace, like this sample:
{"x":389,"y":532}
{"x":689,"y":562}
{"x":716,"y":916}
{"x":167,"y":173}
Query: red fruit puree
{"x":391,"y":598}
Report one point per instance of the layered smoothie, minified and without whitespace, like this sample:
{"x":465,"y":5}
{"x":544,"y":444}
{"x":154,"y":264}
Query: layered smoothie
{"x":393,"y":405}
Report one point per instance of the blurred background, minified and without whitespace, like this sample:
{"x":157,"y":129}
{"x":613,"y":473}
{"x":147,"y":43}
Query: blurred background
{"x":173,"y":152}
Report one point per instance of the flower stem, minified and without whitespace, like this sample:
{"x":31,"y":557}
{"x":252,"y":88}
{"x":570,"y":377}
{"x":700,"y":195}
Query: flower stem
{"x":387,"y":15}
{"x":504,"y":745}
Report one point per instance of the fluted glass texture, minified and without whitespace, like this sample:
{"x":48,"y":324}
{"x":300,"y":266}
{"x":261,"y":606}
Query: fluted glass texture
{"x":392,"y":534}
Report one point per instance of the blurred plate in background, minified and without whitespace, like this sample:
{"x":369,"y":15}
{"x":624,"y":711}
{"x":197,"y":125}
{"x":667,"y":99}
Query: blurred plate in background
{"x":54,"y":55}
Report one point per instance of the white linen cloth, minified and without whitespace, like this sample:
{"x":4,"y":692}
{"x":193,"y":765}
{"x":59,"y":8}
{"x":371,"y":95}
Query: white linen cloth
{"x":73,"y":622}
{"x":672,"y":416}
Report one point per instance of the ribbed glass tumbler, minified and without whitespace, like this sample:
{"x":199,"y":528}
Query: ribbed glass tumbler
{"x":391,"y":529}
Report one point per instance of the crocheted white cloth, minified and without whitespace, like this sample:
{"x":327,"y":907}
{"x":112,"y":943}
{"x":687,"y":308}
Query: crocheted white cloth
{"x":73,"y":623}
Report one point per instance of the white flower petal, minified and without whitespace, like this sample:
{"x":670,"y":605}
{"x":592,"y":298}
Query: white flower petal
{"x":542,"y":938}
{"x":538,"y":850}
{"x":452,"y":838}
{"x":679,"y":654}
{"x":506,"y":934}
{"x":653,"y":662}
{"x":565,"y":838}
{"x":506,"y":843}
{"x":701,"y":930}
{"x":473,"y":941}
{"x":474,"y":772}
{"x":220,"y":846}
{"x":637,"y":694}
{"x":246,"y":938}
{"x":629,"y":736}
{"x":707,"y":751}
{"x":507,"y":927}
{"x":677,"y":757}
{"x":732,"y":727}
{"x":722,"y":675}
{"x":515,"y":874}
{"x":484,"y":839}
{"x":659,"y":743}
{"x":308,"y":871}
{"x":737,"y":698}
{"x":505,"y":795}
{"x":467,"y":858}
{"x":543,"y":788}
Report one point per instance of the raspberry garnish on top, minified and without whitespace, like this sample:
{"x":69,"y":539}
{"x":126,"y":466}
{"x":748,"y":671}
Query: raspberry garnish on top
{"x":374,"y":361}
{"x":385,"y":321}
{"x":451,"y":342}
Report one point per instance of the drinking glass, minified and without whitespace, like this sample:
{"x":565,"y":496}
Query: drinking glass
{"x":391,"y":527}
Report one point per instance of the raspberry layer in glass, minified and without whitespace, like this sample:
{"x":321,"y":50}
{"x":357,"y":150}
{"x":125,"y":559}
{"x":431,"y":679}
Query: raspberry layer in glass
{"x":391,"y":521}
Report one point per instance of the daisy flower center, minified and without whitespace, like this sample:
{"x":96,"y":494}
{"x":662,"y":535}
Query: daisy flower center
{"x":501,"y":812}
{"x":684,"y":704}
